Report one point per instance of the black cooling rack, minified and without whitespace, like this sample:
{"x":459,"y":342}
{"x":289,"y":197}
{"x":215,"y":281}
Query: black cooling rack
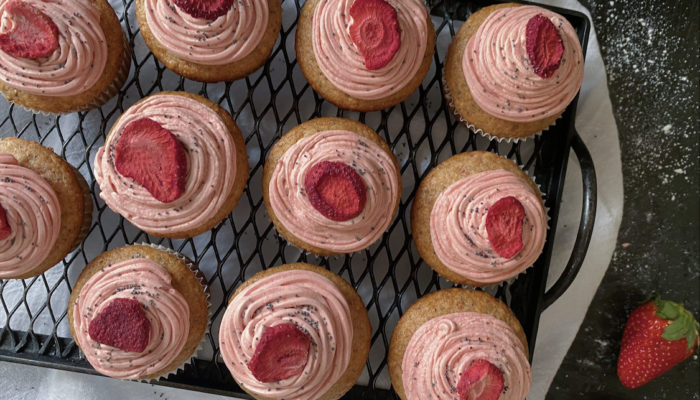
{"x":389,"y":276}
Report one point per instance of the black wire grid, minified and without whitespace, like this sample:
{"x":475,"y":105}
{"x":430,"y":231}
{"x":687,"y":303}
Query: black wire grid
{"x":389,"y":276}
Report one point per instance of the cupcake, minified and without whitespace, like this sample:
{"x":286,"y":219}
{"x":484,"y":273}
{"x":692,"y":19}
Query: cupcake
{"x":139,"y":312}
{"x":61,"y":56}
{"x":478,"y":219}
{"x":210,"y":41}
{"x":174,"y":165}
{"x":459,"y":344}
{"x":512,"y":70}
{"x":296,"y":331}
{"x":365,"y":55}
{"x":331,"y":186}
{"x":45,"y":208}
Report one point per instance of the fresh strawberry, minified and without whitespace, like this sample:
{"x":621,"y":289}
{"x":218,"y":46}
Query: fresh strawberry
{"x":544,"y":45}
{"x":504,"y":226}
{"x":122,"y":324}
{"x":283,"y":352}
{"x":154,"y":158}
{"x":5,"y":229}
{"x":335,"y":190}
{"x":32,"y":35}
{"x":480,"y":381}
{"x":207,"y":9}
{"x":658,"y":335}
{"x":375,"y":31}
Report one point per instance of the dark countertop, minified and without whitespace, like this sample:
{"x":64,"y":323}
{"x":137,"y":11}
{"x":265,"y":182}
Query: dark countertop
{"x":650,"y":49}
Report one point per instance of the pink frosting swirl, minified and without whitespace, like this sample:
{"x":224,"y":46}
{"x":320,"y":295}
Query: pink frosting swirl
{"x":33,"y":214}
{"x":314,"y":305}
{"x":211,"y":160}
{"x":295,"y":212}
{"x":224,"y":40}
{"x":500,"y":76}
{"x":458,"y":226}
{"x":444,"y":347}
{"x":341,"y":63}
{"x":166,"y":309}
{"x":78,"y":62}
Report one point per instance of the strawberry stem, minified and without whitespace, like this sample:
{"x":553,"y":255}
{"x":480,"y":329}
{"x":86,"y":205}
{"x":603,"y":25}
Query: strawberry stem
{"x":682,"y":325}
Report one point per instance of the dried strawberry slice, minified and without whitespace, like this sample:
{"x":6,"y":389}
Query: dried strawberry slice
{"x":152,"y":156}
{"x":122,"y":324}
{"x":335,"y":190}
{"x":5,"y":230}
{"x":207,"y":9}
{"x":481,"y":381}
{"x":504,"y":226}
{"x":375,"y":31}
{"x":32,"y":33}
{"x":544,"y":45}
{"x":283,"y":352}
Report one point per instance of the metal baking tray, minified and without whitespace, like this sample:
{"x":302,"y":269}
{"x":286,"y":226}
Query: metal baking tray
{"x":389,"y":276}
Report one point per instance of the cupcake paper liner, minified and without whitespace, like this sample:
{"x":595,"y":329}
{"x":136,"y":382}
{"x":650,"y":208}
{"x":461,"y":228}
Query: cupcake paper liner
{"x":205,"y":286}
{"x":473,"y":128}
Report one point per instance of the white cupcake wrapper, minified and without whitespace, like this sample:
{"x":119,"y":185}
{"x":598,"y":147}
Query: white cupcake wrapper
{"x":205,"y":286}
{"x":489,"y":136}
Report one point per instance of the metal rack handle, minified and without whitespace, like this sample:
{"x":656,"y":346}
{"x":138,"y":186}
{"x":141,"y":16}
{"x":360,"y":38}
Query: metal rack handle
{"x":585,"y":229}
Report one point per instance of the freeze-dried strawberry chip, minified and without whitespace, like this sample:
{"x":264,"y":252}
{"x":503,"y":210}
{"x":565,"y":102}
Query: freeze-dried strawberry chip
{"x":544,"y":45}
{"x":283,"y":352}
{"x":375,"y":31}
{"x":5,"y":229}
{"x":504,"y":226}
{"x":31,"y":34}
{"x":207,"y":9}
{"x":481,"y":381}
{"x":122,"y":324}
{"x":335,"y":190}
{"x":153,"y":157}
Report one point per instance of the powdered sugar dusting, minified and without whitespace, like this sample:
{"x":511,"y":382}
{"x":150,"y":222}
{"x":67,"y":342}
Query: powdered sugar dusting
{"x":641,"y":56}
